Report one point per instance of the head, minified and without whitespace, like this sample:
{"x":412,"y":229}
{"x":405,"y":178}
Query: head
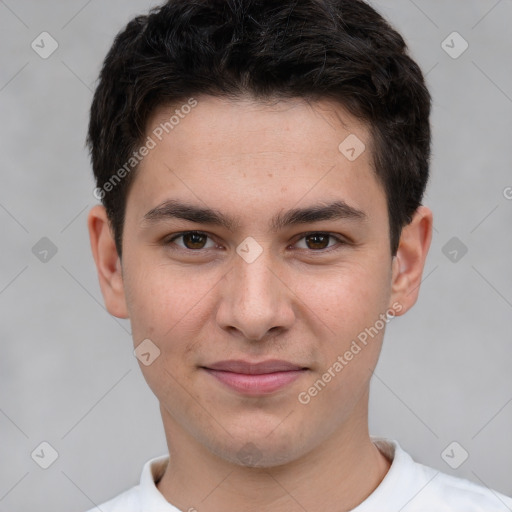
{"x":294,"y":138}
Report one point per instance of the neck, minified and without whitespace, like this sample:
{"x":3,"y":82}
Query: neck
{"x":338,"y":475}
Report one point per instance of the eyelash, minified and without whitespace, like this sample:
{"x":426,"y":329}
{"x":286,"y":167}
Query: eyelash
{"x":169,"y":241}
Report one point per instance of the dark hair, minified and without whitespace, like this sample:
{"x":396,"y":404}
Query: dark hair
{"x":312,"y":49}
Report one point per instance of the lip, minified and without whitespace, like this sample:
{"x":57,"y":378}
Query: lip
{"x":259,"y":378}
{"x":248,"y":368}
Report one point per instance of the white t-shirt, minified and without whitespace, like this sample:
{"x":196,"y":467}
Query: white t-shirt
{"x":407,"y":487}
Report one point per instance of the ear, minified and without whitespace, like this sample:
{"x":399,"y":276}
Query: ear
{"x":410,"y":259}
{"x":107,"y":261}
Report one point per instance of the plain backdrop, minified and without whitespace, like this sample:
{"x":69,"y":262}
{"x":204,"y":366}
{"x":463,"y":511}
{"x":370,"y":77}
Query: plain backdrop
{"x":67,"y":370}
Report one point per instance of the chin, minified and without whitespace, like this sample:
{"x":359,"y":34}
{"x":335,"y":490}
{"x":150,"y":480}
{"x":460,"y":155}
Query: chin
{"x":259,"y":451}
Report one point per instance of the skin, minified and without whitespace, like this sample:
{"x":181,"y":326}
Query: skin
{"x":299,"y":301}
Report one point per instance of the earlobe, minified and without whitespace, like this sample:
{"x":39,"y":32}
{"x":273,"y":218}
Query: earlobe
{"x":409,"y":262}
{"x":107,"y":262}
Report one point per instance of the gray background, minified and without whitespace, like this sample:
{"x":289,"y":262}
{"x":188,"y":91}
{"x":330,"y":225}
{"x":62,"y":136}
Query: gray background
{"x":68,"y":374}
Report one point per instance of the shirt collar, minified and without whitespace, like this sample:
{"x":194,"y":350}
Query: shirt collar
{"x":150,"y":497}
{"x":398,"y":486}
{"x":398,"y":474}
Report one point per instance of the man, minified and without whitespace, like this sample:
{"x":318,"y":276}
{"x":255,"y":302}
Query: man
{"x":261,"y":167}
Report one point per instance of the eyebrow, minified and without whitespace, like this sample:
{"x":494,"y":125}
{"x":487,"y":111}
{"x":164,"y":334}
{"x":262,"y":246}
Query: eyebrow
{"x":172,"y":209}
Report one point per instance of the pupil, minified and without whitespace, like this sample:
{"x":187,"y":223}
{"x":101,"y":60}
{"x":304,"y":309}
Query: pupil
{"x":192,"y":239}
{"x":324,"y":239}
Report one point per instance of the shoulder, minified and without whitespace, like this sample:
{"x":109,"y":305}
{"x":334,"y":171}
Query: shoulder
{"x":144,"y":496}
{"x":127,"y":501}
{"x":452,"y":493}
{"x":424,"y":489}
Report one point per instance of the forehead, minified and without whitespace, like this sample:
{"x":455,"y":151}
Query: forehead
{"x":256,"y":126}
{"x":249,"y":156}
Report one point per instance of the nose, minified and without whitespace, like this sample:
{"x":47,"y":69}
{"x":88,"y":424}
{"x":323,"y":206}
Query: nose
{"x":256,"y":302}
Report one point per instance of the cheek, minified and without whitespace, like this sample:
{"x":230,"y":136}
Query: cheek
{"x":169,"y":306}
{"x":347,"y":298}
{"x":163,"y":308}
{"x":154,"y":296}
{"x":349,"y":306}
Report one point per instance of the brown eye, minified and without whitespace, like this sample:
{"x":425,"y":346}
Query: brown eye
{"x":192,"y":240}
{"x":319,"y":242}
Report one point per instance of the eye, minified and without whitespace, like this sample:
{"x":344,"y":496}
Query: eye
{"x":319,"y":241}
{"x":197,"y":240}
{"x":192,"y":240}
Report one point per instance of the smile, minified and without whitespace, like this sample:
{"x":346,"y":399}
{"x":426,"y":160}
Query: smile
{"x":255,"y":378}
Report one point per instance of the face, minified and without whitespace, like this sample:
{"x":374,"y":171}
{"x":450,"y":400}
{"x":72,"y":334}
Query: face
{"x":250,"y":237}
